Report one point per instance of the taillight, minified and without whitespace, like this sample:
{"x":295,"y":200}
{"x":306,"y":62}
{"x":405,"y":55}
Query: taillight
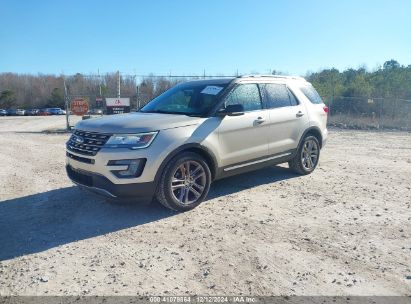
{"x":325,"y":108}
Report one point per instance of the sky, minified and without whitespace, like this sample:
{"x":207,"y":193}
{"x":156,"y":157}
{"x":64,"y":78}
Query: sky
{"x":189,"y":37}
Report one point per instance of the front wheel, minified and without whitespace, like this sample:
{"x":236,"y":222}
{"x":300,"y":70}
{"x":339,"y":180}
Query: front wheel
{"x":307,"y":156}
{"x":185,"y":182}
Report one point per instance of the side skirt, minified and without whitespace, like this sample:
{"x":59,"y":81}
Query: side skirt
{"x":255,"y":164}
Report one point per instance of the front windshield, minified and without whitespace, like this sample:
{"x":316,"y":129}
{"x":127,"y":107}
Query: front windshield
{"x":187,"y":99}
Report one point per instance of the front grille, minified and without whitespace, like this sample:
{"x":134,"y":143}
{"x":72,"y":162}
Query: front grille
{"x":87,"y":143}
{"x":80,"y":159}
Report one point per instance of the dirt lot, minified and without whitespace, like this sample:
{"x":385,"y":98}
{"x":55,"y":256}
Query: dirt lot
{"x":344,"y":230}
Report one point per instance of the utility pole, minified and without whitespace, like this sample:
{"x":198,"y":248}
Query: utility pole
{"x":99,"y":81}
{"x":66,"y":103}
{"x":137,"y":92}
{"x":138,"y":96}
{"x":118,"y":84}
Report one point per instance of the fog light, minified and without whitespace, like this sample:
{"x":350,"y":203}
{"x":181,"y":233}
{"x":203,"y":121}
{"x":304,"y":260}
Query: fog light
{"x":134,"y":167}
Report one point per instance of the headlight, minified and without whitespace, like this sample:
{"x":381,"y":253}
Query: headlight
{"x":131,"y":141}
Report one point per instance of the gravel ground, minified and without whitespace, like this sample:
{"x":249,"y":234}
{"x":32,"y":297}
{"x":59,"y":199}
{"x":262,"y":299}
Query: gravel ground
{"x":343,"y":230}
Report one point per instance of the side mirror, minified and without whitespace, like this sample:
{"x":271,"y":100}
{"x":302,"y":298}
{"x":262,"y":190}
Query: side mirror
{"x":232,"y":110}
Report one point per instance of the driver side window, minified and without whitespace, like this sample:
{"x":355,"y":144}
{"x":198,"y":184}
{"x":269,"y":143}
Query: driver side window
{"x":247,"y":95}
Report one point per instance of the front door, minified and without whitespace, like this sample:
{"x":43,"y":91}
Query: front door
{"x":244,"y":138}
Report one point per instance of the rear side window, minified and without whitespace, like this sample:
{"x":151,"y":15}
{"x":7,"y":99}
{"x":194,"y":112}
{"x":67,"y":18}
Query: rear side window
{"x":311,"y":94}
{"x":246,"y":95}
{"x":277,"y":96}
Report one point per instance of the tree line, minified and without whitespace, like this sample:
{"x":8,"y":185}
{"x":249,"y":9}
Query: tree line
{"x":390,"y":81}
{"x":387,"y":89}
{"x":42,"y":91}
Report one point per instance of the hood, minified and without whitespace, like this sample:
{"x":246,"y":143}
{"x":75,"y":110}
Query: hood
{"x":136,"y":122}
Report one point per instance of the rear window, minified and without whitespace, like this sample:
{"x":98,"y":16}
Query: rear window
{"x":311,"y":94}
{"x":277,"y":96}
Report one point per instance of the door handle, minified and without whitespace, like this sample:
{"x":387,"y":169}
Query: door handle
{"x":299,"y":114}
{"x":259,"y":120}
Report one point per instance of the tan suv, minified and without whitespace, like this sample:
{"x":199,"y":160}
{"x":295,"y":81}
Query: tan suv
{"x":197,"y":132}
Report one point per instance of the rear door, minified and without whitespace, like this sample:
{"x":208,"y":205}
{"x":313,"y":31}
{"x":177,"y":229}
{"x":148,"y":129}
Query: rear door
{"x":244,"y":138}
{"x":288,"y":118}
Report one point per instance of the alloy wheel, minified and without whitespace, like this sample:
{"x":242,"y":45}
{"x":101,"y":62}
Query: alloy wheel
{"x":309,"y":154}
{"x":188,"y":182}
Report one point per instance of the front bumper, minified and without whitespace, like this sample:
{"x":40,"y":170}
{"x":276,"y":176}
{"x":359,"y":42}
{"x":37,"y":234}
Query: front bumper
{"x":100,"y":184}
{"x":95,"y":173}
{"x":99,"y":164}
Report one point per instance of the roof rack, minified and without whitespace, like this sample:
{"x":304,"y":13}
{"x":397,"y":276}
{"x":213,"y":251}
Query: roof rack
{"x":273,"y":76}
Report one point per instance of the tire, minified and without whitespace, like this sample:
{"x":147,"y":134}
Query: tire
{"x":300,"y":164}
{"x":181,"y":192}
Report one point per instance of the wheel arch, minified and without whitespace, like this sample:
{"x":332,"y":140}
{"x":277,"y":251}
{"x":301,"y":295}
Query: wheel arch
{"x":206,"y":153}
{"x":315,"y":131}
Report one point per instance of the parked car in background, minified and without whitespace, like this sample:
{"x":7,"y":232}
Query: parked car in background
{"x":31,"y":112}
{"x":95,"y":112}
{"x":11,"y":112}
{"x":56,"y":111}
{"x":15,"y":112}
{"x":3,"y":112}
{"x":20,"y":112}
{"x":43,"y":112}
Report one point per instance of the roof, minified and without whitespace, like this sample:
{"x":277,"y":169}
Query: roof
{"x":273,"y":77}
{"x":227,"y":80}
{"x":213,"y":81}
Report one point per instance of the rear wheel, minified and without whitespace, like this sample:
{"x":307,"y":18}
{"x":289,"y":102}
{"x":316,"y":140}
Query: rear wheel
{"x":185,"y":182}
{"x":307,"y":156}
